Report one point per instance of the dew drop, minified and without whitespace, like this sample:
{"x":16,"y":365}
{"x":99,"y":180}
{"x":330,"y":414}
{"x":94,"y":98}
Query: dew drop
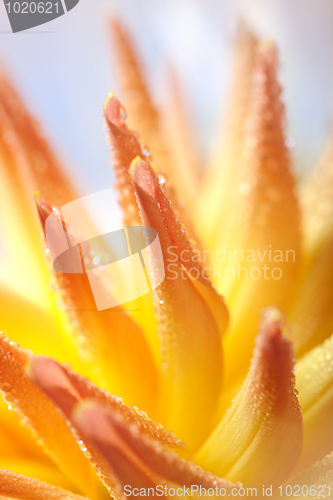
{"x":123,"y":113}
{"x":82,"y":446}
{"x":96,"y":260}
{"x":290,"y":142}
{"x":145,"y":151}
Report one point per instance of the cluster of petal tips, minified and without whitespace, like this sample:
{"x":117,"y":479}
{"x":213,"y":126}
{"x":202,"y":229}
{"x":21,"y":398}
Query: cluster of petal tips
{"x":232,"y":353}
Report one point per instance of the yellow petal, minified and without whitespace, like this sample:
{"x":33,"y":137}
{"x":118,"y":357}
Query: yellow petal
{"x":317,"y":204}
{"x":128,"y":459}
{"x":183,"y":148}
{"x":111,"y":344}
{"x":310,"y":314}
{"x":43,"y":336}
{"x":143,"y":115}
{"x":263,"y":232}
{"x":42,"y":417}
{"x":213,"y":204}
{"x":189,"y":337}
{"x":318,"y":479}
{"x":42,"y":469}
{"x":16,"y":486}
{"x":183,"y":248}
{"x":259,"y":439}
{"x":15,"y":441}
{"x":314,"y":382}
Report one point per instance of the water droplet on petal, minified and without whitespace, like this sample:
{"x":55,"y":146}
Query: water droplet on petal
{"x":290,"y":142}
{"x":145,"y":151}
{"x":6,"y":387}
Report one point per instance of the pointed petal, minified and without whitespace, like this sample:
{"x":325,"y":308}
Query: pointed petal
{"x":264,"y":256}
{"x":27,"y":164}
{"x":16,"y":486}
{"x":182,"y":246}
{"x":182,"y":145}
{"x":41,"y":169}
{"x":317,"y":204}
{"x":19,"y":229}
{"x":189,"y":337}
{"x":318,"y":479}
{"x":111,"y":344}
{"x":259,"y":439}
{"x":125,"y":146}
{"x":213,"y":204}
{"x":67,"y":388}
{"x":310,"y":314}
{"x":143,"y":115}
{"x":42,"y":417}
{"x":133,"y":460}
{"x":314,"y":382}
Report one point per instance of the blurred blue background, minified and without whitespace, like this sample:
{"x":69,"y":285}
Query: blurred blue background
{"x":64,"y":69}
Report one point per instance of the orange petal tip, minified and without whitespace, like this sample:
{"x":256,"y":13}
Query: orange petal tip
{"x":43,"y":209}
{"x":49,"y":376}
{"x":114,"y":112}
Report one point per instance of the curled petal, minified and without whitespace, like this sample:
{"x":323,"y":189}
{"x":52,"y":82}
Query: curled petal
{"x":263,"y":230}
{"x":112,"y":345}
{"x":189,"y":337}
{"x":16,"y":486}
{"x":259,"y":439}
{"x":314,"y":382}
{"x":67,"y":388}
{"x":42,"y":417}
{"x":133,"y":459}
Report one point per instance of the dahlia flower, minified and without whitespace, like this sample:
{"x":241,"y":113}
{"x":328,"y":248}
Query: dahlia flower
{"x":218,"y":381}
